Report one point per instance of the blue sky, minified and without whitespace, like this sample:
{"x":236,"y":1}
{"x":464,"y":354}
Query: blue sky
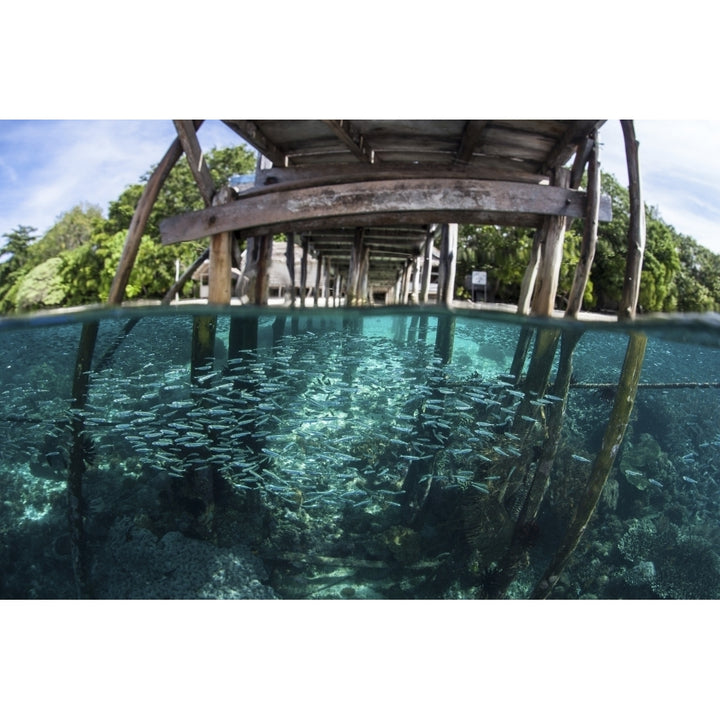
{"x":48,"y":166}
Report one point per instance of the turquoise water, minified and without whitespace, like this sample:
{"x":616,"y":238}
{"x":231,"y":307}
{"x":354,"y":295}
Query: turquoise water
{"x":337,"y":454}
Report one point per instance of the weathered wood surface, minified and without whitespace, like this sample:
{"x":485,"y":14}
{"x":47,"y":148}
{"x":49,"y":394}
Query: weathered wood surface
{"x":294,"y":177}
{"x":530,"y":276}
{"x":418,"y":201}
{"x":196,"y":160}
{"x":427,"y":267}
{"x":251,"y":132}
{"x":448,"y":264}
{"x":636,"y":231}
{"x":470,"y":138}
{"x":533,"y":145}
{"x":140,"y":218}
{"x":548,"y":273}
{"x":590,"y":230}
{"x":352,"y":139}
{"x":602,"y":465}
{"x":220,"y":270}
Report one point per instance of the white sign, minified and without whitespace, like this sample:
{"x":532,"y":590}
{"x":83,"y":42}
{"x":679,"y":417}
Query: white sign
{"x":479,"y":277}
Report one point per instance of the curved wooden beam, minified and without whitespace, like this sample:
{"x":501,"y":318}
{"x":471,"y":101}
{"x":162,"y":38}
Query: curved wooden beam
{"x":140,"y":218}
{"x":415,"y":201}
{"x":636,"y":231}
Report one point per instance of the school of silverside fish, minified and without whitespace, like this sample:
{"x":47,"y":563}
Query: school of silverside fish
{"x":357,"y":462}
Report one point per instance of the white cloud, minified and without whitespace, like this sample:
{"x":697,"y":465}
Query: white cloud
{"x":48,"y":167}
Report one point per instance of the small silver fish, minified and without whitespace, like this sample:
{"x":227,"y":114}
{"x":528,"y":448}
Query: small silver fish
{"x":580,"y":458}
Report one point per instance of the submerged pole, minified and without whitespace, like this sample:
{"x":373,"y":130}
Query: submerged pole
{"x":537,"y":486}
{"x":76,"y":470}
{"x":612,"y":440}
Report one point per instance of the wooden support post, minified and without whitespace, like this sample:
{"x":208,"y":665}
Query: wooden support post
{"x":336,"y":291}
{"x":445,"y":337}
{"x":196,"y":160}
{"x":402,"y":296}
{"x":318,"y":275}
{"x":290,"y":261}
{"x":407,"y":290}
{"x":262,"y":279}
{"x":78,"y":453}
{"x":220,"y":272}
{"x":139,"y":220}
{"x":602,"y":465}
{"x":326,"y":284}
{"x":219,"y":293}
{"x":303,"y":272}
{"x":363,"y":279}
{"x":590,"y":230}
{"x":355,"y":269}
{"x":507,"y":568}
{"x":529,"y":278}
{"x":636,"y":232}
{"x":415,"y":282}
{"x":543,"y":301}
{"x":427,"y":267}
{"x":448,"y":262}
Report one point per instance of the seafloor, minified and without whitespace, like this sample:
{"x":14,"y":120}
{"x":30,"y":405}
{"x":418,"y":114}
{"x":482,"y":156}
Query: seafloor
{"x":353,"y":455}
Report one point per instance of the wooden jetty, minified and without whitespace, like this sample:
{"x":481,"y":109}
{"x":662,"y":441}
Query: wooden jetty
{"x":371,"y":201}
{"x":368,"y":199}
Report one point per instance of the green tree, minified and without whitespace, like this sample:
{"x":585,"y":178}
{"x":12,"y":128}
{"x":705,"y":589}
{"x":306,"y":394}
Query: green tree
{"x":608,"y":270}
{"x":13,"y":259}
{"x":71,"y":230}
{"x":661,"y":263}
{"x":503,"y":252}
{"x":41,"y":287}
{"x":179,"y":193}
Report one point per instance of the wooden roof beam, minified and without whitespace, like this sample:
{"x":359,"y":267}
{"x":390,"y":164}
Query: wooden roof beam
{"x":471,"y":136}
{"x":352,"y":139}
{"x":565,"y":146}
{"x":251,"y":133}
{"x":193,"y":152}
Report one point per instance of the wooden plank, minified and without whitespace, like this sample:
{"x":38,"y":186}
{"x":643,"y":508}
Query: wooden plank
{"x":418,"y":200}
{"x":249,"y":131}
{"x":352,"y":139}
{"x":194,"y":154}
{"x":565,"y":146}
{"x":480,"y":168}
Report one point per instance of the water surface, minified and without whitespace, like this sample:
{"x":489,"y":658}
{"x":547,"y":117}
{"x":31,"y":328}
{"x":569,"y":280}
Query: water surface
{"x":339,"y":454}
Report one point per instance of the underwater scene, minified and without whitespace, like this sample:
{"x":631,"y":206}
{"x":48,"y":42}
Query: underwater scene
{"x":357,"y":454}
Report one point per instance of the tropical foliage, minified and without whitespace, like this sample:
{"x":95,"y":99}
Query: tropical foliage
{"x":75,"y":261}
{"x":678,"y":274}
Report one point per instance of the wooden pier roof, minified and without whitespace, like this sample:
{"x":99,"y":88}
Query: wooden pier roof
{"x":395,"y":179}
